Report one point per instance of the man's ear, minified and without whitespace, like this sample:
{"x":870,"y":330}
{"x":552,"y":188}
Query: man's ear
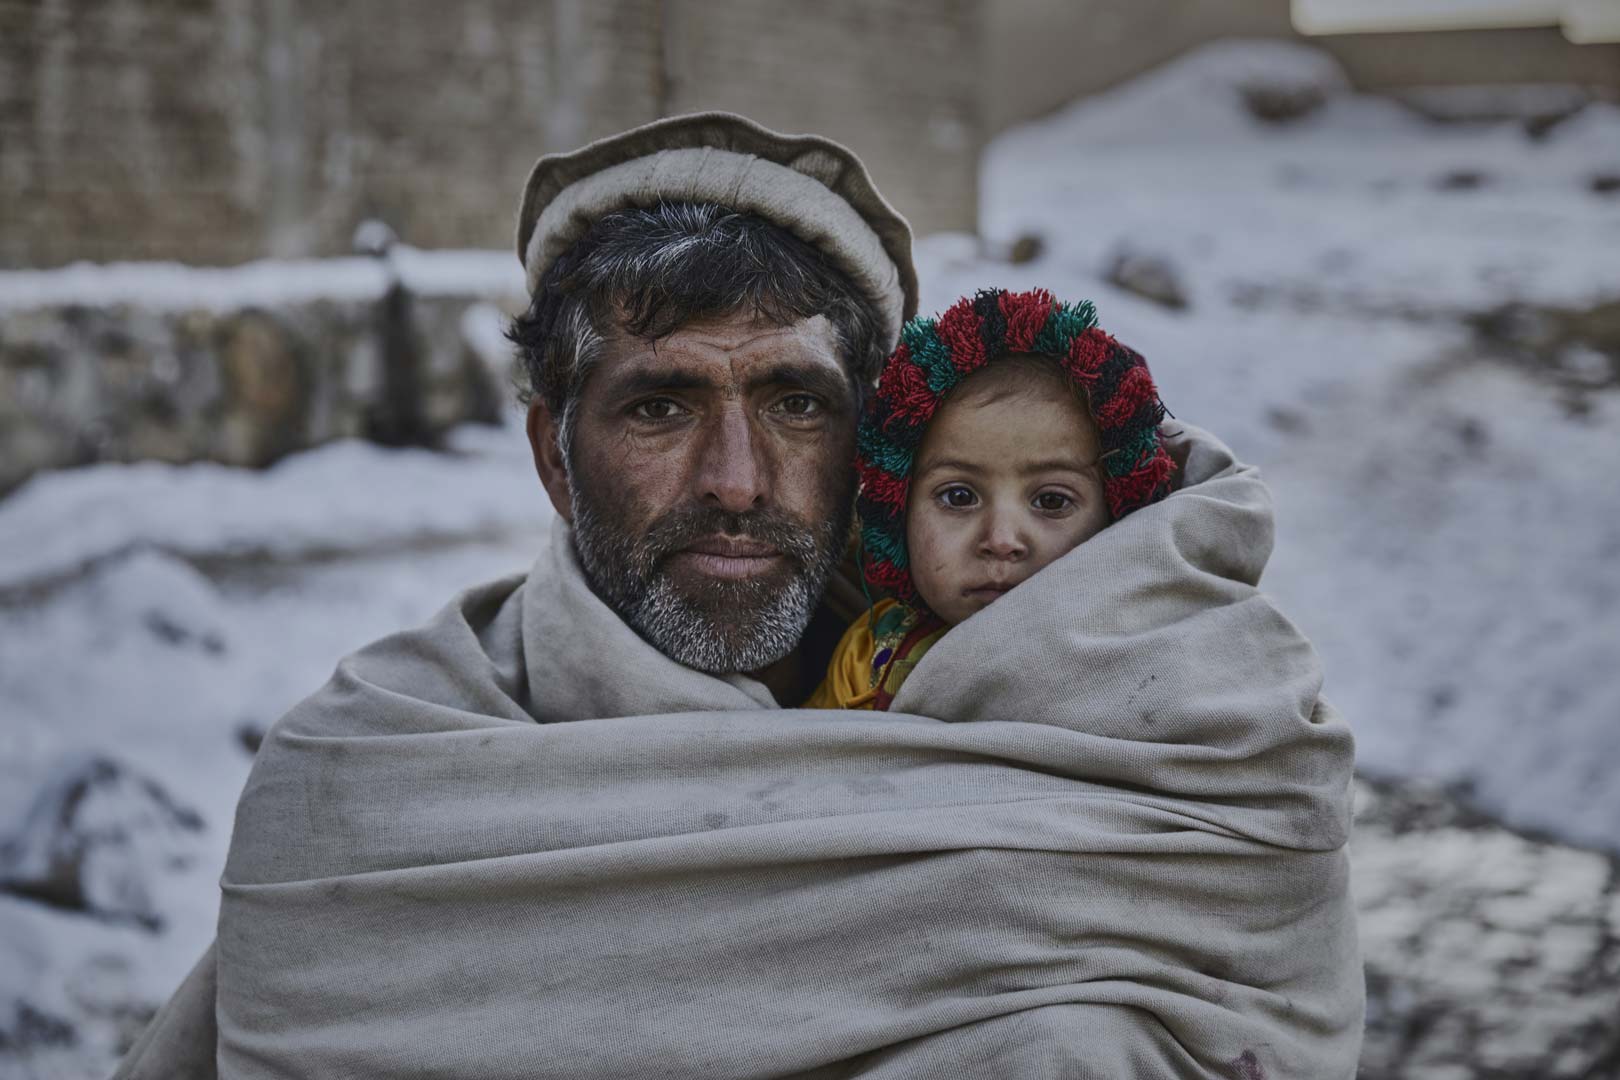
{"x":548,"y":458}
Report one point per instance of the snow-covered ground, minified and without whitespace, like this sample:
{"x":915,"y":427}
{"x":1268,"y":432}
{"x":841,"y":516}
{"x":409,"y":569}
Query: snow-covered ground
{"x":1449,"y":533}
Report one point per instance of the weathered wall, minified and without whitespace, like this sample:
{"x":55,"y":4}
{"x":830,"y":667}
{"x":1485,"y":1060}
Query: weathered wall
{"x":900,"y":81}
{"x":246,"y":383}
{"x":1042,"y":54}
{"x":216,"y":131}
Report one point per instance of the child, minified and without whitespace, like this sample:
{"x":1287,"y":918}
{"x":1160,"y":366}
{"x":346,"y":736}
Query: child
{"x":1003,"y":435}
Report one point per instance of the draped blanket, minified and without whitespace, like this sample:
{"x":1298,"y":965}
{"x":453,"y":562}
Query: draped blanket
{"x":1101,"y":836}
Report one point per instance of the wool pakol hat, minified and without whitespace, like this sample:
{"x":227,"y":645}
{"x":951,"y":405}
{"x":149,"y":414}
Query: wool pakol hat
{"x":813,"y":187}
{"x":935,"y":355}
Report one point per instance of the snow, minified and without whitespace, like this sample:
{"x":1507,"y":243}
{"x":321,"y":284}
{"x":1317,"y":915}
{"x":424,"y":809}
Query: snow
{"x":1448,"y":534}
{"x":1341,"y":207}
{"x":60,"y":522}
{"x":266,"y":282}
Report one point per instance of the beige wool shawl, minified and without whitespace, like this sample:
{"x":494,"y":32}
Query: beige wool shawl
{"x":1101,"y":835}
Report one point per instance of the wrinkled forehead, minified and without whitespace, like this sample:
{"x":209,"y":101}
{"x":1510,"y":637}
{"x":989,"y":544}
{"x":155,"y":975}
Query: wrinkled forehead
{"x":728,"y":341}
{"x":731,"y":355}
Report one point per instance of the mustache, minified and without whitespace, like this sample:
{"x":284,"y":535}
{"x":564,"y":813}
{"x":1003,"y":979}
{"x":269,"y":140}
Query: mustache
{"x":680,"y":528}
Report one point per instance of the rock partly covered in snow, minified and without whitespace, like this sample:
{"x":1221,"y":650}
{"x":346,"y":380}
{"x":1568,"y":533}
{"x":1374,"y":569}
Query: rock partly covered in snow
{"x":243,"y":380}
{"x":1150,"y":275}
{"x":1489,"y":953}
{"x":93,"y":834}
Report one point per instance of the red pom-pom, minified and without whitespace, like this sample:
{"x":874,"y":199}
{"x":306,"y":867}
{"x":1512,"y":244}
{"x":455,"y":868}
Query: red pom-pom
{"x":960,"y":328}
{"x":1087,"y":354}
{"x":883,"y":488}
{"x":1135,"y":389}
{"x":886,"y":575}
{"x":1026,"y":315}
{"x":900,"y":358}
{"x":1148,"y":482}
{"x":904,"y":387}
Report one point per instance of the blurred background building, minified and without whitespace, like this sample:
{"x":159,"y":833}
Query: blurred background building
{"x":217,"y":131}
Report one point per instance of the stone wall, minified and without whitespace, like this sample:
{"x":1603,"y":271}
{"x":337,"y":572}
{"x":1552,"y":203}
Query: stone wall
{"x":900,"y":81}
{"x":217,"y":131}
{"x":246,"y":382}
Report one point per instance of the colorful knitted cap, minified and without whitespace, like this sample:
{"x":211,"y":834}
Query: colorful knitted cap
{"x":935,"y":355}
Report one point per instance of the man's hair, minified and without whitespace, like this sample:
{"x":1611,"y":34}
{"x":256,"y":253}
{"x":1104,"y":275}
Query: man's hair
{"x":653,"y":271}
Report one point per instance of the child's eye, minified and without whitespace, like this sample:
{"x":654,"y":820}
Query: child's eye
{"x":1053,"y":502}
{"x":957,"y":497}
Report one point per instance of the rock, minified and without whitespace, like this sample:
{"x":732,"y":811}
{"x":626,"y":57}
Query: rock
{"x":1461,"y":180}
{"x":1148,"y":275}
{"x":1577,"y":349}
{"x":155,"y":593}
{"x":92,"y":834}
{"x":268,"y":386}
{"x":1538,"y":108}
{"x":1489,"y":952}
{"x":1282,"y":103}
{"x":1286,"y":420}
{"x":105,"y":996}
{"x":250,"y":736}
{"x":28,"y":1029}
{"x":246,"y":385}
{"x":1026,"y":249}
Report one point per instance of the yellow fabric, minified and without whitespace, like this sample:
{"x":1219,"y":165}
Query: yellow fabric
{"x":848,"y":684}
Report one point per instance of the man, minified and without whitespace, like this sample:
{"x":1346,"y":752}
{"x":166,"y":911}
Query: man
{"x":694,"y":374}
{"x":568,"y":830}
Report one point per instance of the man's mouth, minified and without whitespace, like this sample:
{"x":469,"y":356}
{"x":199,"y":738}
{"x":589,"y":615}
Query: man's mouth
{"x":730,"y":557}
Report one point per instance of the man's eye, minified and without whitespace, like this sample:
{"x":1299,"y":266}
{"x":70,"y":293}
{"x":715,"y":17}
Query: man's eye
{"x":656,"y":409}
{"x":958,"y":497}
{"x":800,"y":405}
{"x":1052,"y":502}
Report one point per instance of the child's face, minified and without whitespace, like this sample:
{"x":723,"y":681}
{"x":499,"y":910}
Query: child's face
{"x":1006,"y":481}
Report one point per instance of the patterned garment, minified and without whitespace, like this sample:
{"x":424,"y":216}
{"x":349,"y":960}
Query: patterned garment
{"x":875,"y":656}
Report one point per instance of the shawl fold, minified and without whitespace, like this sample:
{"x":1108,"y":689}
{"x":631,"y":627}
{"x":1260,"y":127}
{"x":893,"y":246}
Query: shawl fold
{"x":1101,"y":835}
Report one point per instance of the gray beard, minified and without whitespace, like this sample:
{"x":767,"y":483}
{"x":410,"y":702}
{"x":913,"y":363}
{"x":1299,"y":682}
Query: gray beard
{"x":733,"y":626}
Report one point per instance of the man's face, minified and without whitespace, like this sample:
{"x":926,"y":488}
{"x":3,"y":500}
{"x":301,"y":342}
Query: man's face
{"x":710,"y":485}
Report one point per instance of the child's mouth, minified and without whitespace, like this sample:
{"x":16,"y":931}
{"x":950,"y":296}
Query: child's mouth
{"x":986,"y":592}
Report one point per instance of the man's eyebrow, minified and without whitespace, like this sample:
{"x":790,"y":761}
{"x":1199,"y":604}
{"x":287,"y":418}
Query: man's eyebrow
{"x":813,"y":378}
{"x":647,"y":380}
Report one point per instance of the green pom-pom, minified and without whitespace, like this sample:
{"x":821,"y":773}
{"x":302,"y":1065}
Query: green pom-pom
{"x":884,"y":545}
{"x":930,"y":353}
{"x":1063,"y":325}
{"x":1132,"y":454}
{"x":876,"y":448}
{"x":918,"y":332}
{"x":943,"y":377}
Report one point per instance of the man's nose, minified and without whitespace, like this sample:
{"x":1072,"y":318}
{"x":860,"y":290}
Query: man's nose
{"x":1003,"y":537}
{"x":731,"y":471}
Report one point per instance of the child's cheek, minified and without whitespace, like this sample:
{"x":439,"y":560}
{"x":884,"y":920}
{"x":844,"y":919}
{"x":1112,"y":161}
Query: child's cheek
{"x":932,"y":551}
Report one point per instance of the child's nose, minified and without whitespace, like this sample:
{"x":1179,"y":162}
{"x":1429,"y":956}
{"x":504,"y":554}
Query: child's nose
{"x":1003,"y":539}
